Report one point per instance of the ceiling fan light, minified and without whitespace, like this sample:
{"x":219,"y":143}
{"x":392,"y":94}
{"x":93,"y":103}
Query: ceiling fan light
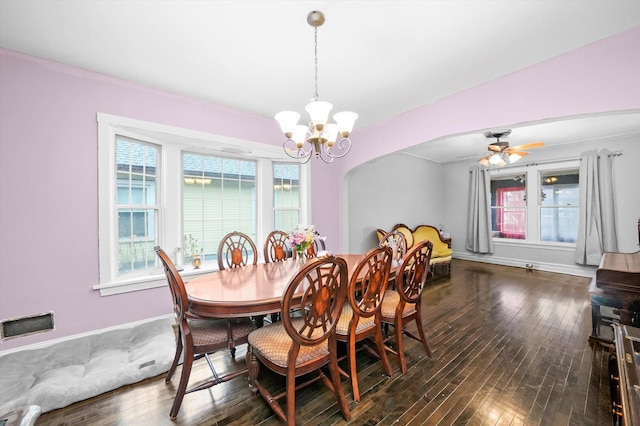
{"x":484,"y":162}
{"x":495,"y":159}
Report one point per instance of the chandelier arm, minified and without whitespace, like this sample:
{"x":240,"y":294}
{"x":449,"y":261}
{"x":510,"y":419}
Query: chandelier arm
{"x":324,"y":155}
{"x":293,"y":151}
{"x":343,"y":144}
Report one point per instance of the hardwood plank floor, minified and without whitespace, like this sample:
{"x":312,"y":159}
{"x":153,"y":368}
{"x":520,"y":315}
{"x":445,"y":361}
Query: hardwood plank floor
{"x":510,"y":347}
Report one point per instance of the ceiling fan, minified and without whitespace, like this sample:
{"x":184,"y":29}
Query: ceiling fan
{"x":500,"y":152}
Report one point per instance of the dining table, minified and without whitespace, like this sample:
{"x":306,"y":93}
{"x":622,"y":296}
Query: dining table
{"x":251,"y":290}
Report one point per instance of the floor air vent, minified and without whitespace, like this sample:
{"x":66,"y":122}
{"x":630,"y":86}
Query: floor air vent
{"x":24,"y":326}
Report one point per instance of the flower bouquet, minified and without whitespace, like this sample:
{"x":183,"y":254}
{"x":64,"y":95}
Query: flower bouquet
{"x":301,"y":239}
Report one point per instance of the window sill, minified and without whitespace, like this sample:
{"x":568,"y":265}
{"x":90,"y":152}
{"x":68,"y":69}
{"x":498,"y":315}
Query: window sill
{"x":536,"y":244}
{"x":149,"y":281}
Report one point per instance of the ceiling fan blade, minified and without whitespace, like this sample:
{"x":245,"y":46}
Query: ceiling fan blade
{"x":494,"y":148}
{"x":520,"y":153}
{"x":526,"y":146}
{"x":484,"y":161}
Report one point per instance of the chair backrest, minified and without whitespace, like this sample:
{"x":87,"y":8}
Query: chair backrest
{"x":317,"y":246}
{"x":276,"y":247}
{"x":176,"y":285}
{"x":235,"y":250}
{"x":323,"y":284}
{"x":398,"y":243}
{"x":369,"y":282}
{"x":412,"y":273}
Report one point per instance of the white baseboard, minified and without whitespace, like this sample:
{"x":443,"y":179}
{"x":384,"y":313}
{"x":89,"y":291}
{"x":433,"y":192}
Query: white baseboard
{"x":578,"y":270}
{"x":46,"y":343}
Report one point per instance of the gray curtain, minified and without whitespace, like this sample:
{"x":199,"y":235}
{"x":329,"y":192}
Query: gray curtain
{"x":596,"y":218}
{"x":479,"y":239}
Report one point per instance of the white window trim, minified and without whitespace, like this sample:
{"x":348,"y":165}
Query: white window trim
{"x":531,"y":171}
{"x":172,"y":141}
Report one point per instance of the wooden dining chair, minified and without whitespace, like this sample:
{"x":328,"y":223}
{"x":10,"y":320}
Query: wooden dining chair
{"x":302,"y":344}
{"x":317,"y":246}
{"x":236,"y":249}
{"x":276,"y":247}
{"x":199,"y":336}
{"x":360,"y":319}
{"x":398,"y":243}
{"x":402,"y":304}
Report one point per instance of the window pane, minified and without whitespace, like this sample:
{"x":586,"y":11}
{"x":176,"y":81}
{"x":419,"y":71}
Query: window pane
{"x":508,"y":207}
{"x":286,"y":196}
{"x":136,"y":197}
{"x":219,"y":196}
{"x":559,"y":198}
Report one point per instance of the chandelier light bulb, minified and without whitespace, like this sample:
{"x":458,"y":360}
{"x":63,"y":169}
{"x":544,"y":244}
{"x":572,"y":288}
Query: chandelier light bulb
{"x":288,"y":121}
{"x":345,"y":121}
{"x":299,"y":135}
{"x":319,"y":113}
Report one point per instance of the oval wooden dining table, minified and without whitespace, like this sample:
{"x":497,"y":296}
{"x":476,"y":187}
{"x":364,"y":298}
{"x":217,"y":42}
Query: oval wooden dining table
{"x":250,"y":290}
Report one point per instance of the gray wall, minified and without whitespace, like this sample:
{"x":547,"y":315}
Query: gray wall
{"x":437,"y":194}
{"x":397,"y":188}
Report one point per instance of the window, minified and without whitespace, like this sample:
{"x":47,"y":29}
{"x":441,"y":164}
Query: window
{"x":286,"y":196}
{"x":136,"y":201}
{"x":536,"y":203}
{"x":158,"y":184}
{"x":559,"y":198}
{"x":509,"y":207}
{"x":219,"y":196}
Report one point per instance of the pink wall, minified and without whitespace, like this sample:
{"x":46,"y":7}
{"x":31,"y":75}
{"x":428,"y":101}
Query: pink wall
{"x":48,"y":162}
{"x":603,"y":76}
{"x":48,"y":187}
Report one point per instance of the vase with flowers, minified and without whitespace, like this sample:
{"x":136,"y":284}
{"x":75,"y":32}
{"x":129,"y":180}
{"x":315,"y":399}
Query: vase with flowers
{"x":192,"y":250}
{"x":300,"y":240}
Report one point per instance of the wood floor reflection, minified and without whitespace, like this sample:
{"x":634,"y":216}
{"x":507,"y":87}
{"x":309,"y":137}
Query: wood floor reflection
{"x":510,"y":348}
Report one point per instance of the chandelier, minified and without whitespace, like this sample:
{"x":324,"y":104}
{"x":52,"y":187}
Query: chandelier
{"x":326,"y":140}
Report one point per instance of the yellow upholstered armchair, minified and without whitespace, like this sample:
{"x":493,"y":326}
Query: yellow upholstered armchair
{"x":441,"y":255}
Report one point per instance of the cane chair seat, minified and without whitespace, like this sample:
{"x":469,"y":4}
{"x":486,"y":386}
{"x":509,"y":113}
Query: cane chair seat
{"x":215,"y":332}
{"x":347,"y":314}
{"x":274,"y":344}
{"x":390,"y":303}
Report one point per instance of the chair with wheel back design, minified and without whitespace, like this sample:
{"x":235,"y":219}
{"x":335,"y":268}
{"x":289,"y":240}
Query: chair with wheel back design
{"x":317,"y":246}
{"x":236,"y":249}
{"x":398,"y":243}
{"x":360,"y":319}
{"x":199,"y":336}
{"x":302,"y":343}
{"x":403,"y":304}
{"x":276,"y":247}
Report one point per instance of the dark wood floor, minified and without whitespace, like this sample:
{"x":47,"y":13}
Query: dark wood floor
{"x":510,"y":348}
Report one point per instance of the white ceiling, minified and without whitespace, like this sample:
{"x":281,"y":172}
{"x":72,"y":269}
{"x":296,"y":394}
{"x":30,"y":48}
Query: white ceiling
{"x":378,"y":58}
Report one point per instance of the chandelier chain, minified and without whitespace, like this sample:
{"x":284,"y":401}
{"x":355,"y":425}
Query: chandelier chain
{"x":315,"y":54}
